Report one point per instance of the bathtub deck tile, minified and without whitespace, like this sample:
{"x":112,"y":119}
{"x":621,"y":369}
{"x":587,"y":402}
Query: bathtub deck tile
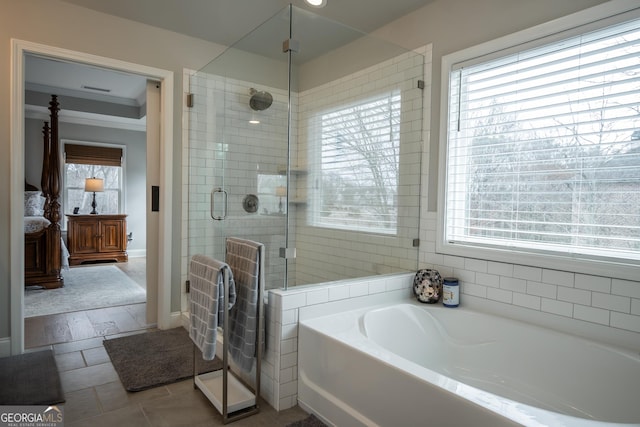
{"x":290,"y":316}
{"x":295,"y":300}
{"x":338,"y":292}
{"x":527,"y":273}
{"x":513,"y":284}
{"x":542,"y":289}
{"x":377,"y":286}
{"x":288,"y":346}
{"x":593,"y":283}
{"x":625,"y":321}
{"x":553,"y":306}
{"x":528,"y":301}
{"x":611,"y":302}
{"x":500,"y":295}
{"x":500,"y":268}
{"x":289,"y":332}
{"x":562,"y":278}
{"x":358,"y":289}
{"x":491,"y":280}
{"x":317,"y":296}
{"x":479,"y":266}
{"x":591,"y":314}
{"x":625,"y":288}
{"x":288,"y":360}
{"x":576,"y":296}
{"x":475,"y":290}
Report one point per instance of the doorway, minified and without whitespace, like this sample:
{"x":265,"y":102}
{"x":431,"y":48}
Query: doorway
{"x":102,"y":138}
{"x":160,"y":290}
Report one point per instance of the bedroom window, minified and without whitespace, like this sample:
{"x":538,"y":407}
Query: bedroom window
{"x":357,"y":163}
{"x":88,"y":161}
{"x":543,"y":149}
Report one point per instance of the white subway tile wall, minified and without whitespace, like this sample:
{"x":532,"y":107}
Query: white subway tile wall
{"x":596,"y":299}
{"x":284,"y":311}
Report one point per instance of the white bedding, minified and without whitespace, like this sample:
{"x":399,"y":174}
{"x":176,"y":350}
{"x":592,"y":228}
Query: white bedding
{"x":33,"y":224}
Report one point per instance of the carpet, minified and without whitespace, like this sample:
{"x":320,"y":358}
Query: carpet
{"x":84,"y":288}
{"x":310,"y":421}
{"x":30,"y":379}
{"x":156,"y":358}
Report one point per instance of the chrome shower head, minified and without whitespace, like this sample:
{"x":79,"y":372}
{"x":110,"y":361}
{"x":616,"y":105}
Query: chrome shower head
{"x":260,"y":100}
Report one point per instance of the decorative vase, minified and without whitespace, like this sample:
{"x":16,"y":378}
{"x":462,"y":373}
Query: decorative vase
{"x":427,"y":286}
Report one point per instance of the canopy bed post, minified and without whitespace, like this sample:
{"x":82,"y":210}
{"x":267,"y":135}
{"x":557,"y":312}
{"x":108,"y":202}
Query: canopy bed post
{"x":54,"y":165}
{"x":43,"y":244}
{"x":44,"y":180}
{"x":54,"y":191}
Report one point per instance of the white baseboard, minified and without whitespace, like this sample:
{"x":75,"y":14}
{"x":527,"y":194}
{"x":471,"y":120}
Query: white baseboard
{"x":136,"y":253}
{"x":5,"y":347}
{"x":175,"y":319}
{"x":185,"y":319}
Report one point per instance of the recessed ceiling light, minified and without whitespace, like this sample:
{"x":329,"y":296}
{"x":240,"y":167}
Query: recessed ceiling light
{"x":317,"y":3}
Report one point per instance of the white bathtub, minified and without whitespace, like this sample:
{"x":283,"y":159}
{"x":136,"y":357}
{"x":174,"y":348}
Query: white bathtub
{"x":415,"y":364}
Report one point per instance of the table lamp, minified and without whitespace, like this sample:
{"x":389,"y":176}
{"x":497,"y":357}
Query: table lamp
{"x":94,"y":185}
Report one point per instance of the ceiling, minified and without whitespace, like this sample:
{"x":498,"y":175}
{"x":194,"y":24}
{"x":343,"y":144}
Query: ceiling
{"x":223,"y":22}
{"x":227,"y":21}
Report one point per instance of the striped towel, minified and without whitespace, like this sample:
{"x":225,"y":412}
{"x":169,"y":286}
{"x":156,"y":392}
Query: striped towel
{"x":206,"y":301}
{"x":246,"y":260}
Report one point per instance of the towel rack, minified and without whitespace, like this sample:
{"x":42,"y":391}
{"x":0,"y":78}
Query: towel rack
{"x":230,"y":395}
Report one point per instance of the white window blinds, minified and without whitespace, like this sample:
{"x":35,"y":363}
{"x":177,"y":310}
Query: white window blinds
{"x":359,"y":162}
{"x":543,"y":148}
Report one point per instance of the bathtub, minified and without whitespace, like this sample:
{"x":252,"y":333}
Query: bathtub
{"x":414,"y":364}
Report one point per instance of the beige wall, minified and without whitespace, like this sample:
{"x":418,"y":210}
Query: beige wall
{"x":62,"y":25}
{"x":449,"y":25}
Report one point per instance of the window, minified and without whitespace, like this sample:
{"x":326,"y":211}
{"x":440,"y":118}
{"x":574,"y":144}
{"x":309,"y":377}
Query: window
{"x":356,"y":181}
{"x":88,"y":161}
{"x":543,"y":149}
{"x":272,"y":192}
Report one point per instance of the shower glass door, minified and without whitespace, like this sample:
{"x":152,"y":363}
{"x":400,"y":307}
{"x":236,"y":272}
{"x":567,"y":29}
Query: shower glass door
{"x":306,"y":136}
{"x":238,"y":148}
{"x":356,"y":147}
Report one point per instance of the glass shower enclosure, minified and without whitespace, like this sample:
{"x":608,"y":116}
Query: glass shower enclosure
{"x":306,"y":136}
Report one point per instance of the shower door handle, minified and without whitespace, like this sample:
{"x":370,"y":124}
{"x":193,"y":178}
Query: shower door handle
{"x":224,"y":214}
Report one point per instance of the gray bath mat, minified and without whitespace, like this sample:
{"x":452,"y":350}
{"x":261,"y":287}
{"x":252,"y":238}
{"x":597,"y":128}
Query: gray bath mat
{"x":310,"y":421}
{"x":30,"y":379}
{"x":152,"y":359}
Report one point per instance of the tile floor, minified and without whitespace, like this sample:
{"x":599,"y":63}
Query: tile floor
{"x":94,"y":394}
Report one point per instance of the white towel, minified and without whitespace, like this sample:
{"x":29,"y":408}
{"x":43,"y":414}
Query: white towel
{"x":206,"y":301}
{"x":246,"y":260}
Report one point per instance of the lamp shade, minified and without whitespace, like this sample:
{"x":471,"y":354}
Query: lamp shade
{"x":281,"y":191}
{"x":95,"y":185}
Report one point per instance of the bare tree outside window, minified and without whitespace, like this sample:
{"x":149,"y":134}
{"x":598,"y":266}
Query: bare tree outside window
{"x":547,"y":155}
{"x":358,"y":184}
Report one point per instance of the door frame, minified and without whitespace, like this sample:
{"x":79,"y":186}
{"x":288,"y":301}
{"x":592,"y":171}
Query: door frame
{"x":19,"y":48}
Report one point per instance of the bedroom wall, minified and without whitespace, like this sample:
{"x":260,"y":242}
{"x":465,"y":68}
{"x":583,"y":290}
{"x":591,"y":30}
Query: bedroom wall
{"x":60,"y":24}
{"x":135,"y":168}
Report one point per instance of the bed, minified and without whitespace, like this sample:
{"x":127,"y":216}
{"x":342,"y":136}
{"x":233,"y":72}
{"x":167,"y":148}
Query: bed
{"x":44,"y":250}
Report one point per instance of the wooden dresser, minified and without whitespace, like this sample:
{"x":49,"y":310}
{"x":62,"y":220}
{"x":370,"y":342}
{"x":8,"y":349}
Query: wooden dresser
{"x":97,"y":238}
